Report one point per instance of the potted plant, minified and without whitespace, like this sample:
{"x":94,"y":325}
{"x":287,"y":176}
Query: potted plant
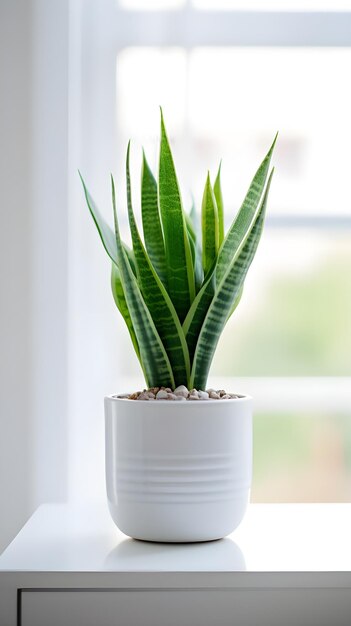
{"x":178,"y":455}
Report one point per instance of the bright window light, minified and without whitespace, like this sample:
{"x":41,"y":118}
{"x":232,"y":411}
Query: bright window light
{"x":303,"y":93}
{"x":229,"y":102}
{"x":273,"y":5}
{"x":148,"y":78}
{"x":151,"y":5}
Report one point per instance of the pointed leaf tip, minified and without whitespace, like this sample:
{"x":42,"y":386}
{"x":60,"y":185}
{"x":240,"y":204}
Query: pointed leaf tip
{"x":274,"y":142}
{"x":128,"y":151}
{"x":114,"y":205}
{"x":112,"y":183}
{"x":163,"y":124}
{"x":210,"y":227}
{"x":180,"y":275}
{"x":219,"y":199}
{"x":218,"y":171}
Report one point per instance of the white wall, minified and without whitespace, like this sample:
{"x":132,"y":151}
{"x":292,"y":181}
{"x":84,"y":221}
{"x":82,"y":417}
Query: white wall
{"x":33,"y":256}
{"x":49,"y":274}
{"x":94,"y":322}
{"x":15,"y":268}
{"x":49,"y":150}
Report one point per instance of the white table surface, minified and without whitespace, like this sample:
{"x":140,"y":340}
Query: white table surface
{"x":285,"y":565}
{"x":272,"y":538}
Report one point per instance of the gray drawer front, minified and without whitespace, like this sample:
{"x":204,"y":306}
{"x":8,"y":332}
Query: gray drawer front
{"x":227,"y":607}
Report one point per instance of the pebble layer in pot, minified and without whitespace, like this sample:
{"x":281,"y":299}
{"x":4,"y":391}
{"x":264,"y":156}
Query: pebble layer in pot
{"x":179,"y":455}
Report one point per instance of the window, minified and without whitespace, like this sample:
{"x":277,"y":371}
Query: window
{"x":228,"y":77}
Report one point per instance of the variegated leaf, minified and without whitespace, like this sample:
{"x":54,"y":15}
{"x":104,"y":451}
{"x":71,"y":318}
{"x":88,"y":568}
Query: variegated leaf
{"x":158,"y":301}
{"x":156,"y":364}
{"x":153,"y":235}
{"x":226,"y":293}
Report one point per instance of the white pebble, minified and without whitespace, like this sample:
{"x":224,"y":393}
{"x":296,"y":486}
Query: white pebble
{"x":203,"y":395}
{"x":171,"y":396}
{"x":226,"y":396}
{"x":193,"y":397}
{"x":180,"y":398}
{"x":162,"y":395}
{"x":181,"y":391}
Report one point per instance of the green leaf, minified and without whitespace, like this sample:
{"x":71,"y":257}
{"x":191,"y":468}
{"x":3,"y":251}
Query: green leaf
{"x":130,"y":256}
{"x":209,"y":214}
{"x":156,"y":365}
{"x":106,"y":233}
{"x":217,"y":190}
{"x":226,"y":293}
{"x":195,"y":254}
{"x":153,"y":235}
{"x":120,"y":300}
{"x":197,"y":313}
{"x":158,"y":301}
{"x":180,"y":275}
{"x":192,"y":246}
{"x":239,"y":228}
{"x":235,"y":303}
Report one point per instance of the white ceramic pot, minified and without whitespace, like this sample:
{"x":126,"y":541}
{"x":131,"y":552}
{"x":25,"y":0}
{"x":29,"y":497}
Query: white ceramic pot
{"x":178,"y":471}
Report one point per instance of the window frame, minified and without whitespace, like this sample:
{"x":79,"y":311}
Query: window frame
{"x":110,"y":27}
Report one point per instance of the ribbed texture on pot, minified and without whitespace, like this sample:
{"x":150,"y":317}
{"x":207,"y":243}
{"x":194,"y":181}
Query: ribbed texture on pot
{"x":179,"y":478}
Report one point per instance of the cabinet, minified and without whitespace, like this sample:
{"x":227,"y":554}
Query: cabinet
{"x":286,"y":564}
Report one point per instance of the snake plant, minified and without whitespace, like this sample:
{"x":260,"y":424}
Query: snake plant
{"x":179,"y":284}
